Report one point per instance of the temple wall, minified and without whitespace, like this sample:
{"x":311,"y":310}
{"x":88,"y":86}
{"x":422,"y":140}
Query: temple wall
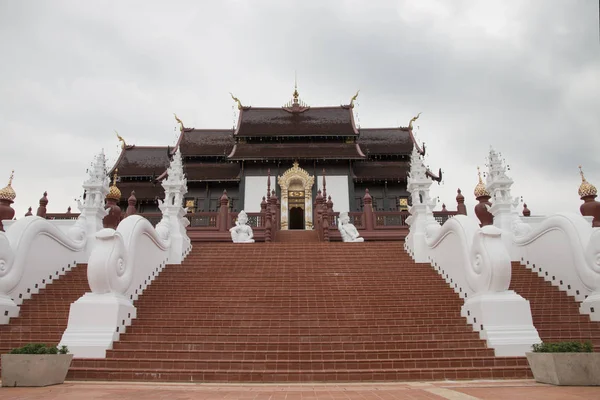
{"x":337,"y":188}
{"x":255,"y":188}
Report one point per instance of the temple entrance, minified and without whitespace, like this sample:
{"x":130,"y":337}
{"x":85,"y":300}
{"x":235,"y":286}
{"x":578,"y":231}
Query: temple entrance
{"x":296,"y":198}
{"x":296,"y":218}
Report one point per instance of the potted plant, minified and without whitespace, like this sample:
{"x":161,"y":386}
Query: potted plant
{"x":565,"y":363}
{"x":35,"y":364}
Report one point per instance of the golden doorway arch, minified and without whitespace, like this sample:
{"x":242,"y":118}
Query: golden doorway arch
{"x":296,"y":192}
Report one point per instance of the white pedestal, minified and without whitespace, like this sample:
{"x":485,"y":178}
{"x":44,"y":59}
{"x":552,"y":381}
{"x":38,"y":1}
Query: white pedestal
{"x":591,"y":306}
{"x":504,"y":320}
{"x":95,"y":322}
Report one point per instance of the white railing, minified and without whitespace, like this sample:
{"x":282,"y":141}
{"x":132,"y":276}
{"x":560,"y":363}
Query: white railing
{"x":564,"y":249}
{"x":33,"y":253}
{"x":474,"y":261}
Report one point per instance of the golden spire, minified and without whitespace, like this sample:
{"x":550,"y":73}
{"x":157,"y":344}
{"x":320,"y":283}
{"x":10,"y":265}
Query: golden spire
{"x":8,"y":193}
{"x":410,"y":124}
{"x":114,"y":192}
{"x":179,"y":121}
{"x":586,"y":188}
{"x":123,"y":144}
{"x":239,"y":103}
{"x":354,"y":98}
{"x":480,"y":189}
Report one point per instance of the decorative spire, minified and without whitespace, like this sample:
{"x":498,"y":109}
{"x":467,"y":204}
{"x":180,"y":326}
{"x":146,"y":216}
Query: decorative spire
{"x":353,"y":99}
{"x":114,"y":193}
{"x":180,"y":122}
{"x":480,"y":189}
{"x":295,"y":104}
{"x":324,"y":185}
{"x":586,"y":188}
{"x":8,"y":193}
{"x":28,"y":214}
{"x":123,"y":144}
{"x":526,"y":211}
{"x":460,"y":206}
{"x":296,"y":94}
{"x":239,"y":103}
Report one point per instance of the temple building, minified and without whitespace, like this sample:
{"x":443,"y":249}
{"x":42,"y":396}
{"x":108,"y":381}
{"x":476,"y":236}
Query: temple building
{"x":295,"y":145}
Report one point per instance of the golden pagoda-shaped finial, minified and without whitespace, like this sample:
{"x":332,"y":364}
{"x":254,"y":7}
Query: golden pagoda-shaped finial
{"x":123,"y":144}
{"x":353,"y":99}
{"x":480,"y":189}
{"x":295,"y":94}
{"x":114,"y":193}
{"x":179,"y":121}
{"x":239,"y":103}
{"x":8,"y":193}
{"x":586,"y":188}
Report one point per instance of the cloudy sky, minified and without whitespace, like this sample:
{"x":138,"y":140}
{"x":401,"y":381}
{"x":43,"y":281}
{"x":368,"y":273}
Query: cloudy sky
{"x":522,"y":76}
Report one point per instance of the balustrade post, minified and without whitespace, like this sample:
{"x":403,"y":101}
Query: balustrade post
{"x":461,"y":209}
{"x":368,"y":214}
{"x":268,"y":225}
{"x":41,"y":211}
{"x":224,"y":212}
{"x":273,"y":207}
{"x":131,"y":205}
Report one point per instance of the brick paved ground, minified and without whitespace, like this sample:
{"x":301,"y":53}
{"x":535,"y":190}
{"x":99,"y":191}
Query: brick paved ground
{"x":472,"y":390}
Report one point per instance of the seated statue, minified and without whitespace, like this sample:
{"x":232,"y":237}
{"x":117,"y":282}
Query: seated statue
{"x":241,"y":232}
{"x":348,"y":230}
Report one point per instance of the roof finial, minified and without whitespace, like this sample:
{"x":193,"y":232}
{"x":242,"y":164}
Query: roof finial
{"x":410,"y":124}
{"x":239,"y":103}
{"x":12,"y":175}
{"x":354,"y":98}
{"x":480,"y":189}
{"x":179,"y":121}
{"x":123,"y":144}
{"x":296,"y":94}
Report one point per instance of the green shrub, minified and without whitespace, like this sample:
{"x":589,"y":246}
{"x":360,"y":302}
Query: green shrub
{"x":39,"y":348}
{"x":563,"y":347}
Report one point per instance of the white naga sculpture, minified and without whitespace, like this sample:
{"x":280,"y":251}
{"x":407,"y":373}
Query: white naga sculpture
{"x":242,"y":232}
{"x":347,"y":230}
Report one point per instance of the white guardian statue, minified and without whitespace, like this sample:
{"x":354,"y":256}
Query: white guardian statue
{"x":242,"y":232}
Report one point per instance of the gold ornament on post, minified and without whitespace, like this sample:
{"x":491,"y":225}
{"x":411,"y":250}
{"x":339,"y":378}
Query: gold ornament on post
{"x":114,"y":192}
{"x":8,"y":193}
{"x":586,"y":188}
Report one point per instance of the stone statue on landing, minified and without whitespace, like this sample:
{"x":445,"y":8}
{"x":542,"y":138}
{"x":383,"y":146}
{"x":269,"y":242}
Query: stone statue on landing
{"x":348,"y":231}
{"x":242,"y":232}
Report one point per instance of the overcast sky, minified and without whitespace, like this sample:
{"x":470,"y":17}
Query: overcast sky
{"x":522,"y":76}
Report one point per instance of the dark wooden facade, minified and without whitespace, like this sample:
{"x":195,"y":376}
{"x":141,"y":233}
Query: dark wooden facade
{"x":271,"y":139}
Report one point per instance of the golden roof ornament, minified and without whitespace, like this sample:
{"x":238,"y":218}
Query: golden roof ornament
{"x":239,"y":103}
{"x":353,"y":99}
{"x":180,"y":122}
{"x":480,"y":189}
{"x":413,"y":119}
{"x":8,"y":193}
{"x":123,"y":144}
{"x":114,"y":193}
{"x":586,"y":188}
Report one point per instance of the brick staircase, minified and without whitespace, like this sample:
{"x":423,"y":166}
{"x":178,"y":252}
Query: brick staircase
{"x":43,"y":318}
{"x":297,"y":236}
{"x":555,"y":314}
{"x":293,"y":312}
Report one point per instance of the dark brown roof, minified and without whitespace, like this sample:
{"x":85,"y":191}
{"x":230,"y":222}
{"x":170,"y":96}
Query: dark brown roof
{"x":318,"y":121}
{"x":142,"y":161}
{"x":244,"y":151}
{"x":206,"y":142}
{"x":384,"y":170}
{"x":385,"y":141}
{"x":143,"y":190}
{"x":212,"y":171}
